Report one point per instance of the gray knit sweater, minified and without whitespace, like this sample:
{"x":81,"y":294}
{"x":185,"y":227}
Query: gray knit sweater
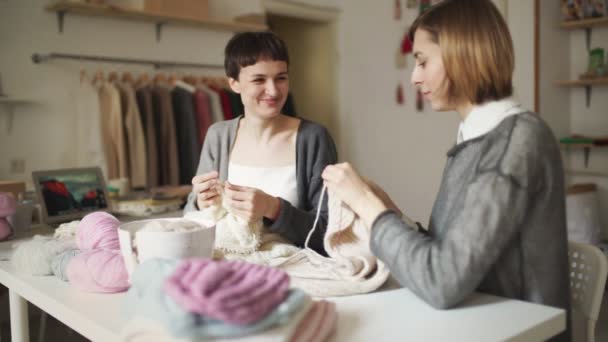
{"x":315,"y":149}
{"x":498,"y":224}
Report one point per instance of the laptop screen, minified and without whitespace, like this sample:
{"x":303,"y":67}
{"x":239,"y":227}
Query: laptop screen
{"x":70,"y":194}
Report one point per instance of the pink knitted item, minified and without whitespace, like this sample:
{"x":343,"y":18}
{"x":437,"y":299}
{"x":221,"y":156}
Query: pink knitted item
{"x":98,"y":230}
{"x":98,"y":271}
{"x":318,"y":324}
{"x":231,"y":291}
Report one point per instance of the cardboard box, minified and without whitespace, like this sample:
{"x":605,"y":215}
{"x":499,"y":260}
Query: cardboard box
{"x":13,"y":187}
{"x":189,"y":9}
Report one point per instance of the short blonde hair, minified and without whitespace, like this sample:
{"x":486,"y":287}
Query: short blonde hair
{"x":476,"y":48}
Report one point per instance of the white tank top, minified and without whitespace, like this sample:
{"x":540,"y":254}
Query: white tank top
{"x":275,"y":181}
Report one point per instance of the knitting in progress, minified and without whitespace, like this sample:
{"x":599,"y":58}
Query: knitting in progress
{"x":236,"y":239}
{"x":350,"y":269}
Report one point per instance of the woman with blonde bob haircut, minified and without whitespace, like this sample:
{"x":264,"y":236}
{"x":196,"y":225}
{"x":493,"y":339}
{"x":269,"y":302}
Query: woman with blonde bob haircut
{"x":498,"y":223}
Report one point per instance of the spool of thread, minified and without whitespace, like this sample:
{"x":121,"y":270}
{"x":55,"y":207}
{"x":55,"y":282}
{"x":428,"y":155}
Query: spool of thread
{"x":121,"y":184}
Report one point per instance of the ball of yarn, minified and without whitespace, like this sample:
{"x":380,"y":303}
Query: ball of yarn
{"x":98,"y":230}
{"x":34,"y":256}
{"x":231,"y":291}
{"x":5,"y":228}
{"x":98,"y":271}
{"x":8,"y":205}
{"x":60,"y":263}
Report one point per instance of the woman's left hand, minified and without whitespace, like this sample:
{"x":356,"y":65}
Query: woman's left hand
{"x":250,"y":203}
{"x":345,"y":183}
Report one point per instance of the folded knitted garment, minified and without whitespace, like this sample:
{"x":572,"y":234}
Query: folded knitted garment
{"x":350,"y":269}
{"x":146,"y":305}
{"x":231,"y":291}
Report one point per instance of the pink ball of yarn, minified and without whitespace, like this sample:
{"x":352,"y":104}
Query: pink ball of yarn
{"x":99,"y":271}
{"x":5,"y":228}
{"x":231,"y":291}
{"x":8,"y":205}
{"x":98,"y":230}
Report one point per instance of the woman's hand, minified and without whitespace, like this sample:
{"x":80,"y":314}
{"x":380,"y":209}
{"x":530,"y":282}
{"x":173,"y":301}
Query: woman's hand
{"x":344,"y":182}
{"x":206,"y":187}
{"x":250,"y":203}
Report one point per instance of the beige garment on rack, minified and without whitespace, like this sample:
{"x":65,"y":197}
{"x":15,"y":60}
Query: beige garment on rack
{"x":112,"y":131}
{"x":135,"y":137}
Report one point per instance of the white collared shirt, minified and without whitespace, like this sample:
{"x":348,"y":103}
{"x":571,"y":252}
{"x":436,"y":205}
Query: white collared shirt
{"x":483,"y":118}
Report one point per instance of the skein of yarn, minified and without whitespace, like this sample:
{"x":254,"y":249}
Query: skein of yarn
{"x":98,"y":230}
{"x":98,"y":271}
{"x":34,"y":256}
{"x":60,"y":263}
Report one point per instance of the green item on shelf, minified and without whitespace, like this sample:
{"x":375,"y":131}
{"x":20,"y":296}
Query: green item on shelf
{"x":575,"y":140}
{"x":596,"y":62}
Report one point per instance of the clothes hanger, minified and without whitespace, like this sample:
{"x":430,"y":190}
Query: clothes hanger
{"x":143,"y":80}
{"x":113,"y":76}
{"x":127,"y":78}
{"x":160,"y":78}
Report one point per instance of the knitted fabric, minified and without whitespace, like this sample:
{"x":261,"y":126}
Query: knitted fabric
{"x":350,"y":269}
{"x":235,"y":239}
{"x":231,"y":291}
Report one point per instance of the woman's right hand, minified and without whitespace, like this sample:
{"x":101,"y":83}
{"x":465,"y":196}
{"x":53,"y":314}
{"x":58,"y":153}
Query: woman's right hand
{"x":206,"y":187}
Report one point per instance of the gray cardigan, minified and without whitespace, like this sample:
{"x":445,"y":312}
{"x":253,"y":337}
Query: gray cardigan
{"x":498,"y":224}
{"x":315,"y":149}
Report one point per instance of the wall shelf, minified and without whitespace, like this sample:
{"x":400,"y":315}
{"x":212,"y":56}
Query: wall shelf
{"x":9,"y":103}
{"x":587,"y":83}
{"x":586,"y":173}
{"x":584,"y":23}
{"x":64,"y":7}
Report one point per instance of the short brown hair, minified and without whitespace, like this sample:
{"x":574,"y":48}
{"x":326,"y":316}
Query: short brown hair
{"x":247,"y":48}
{"x":476,"y":48}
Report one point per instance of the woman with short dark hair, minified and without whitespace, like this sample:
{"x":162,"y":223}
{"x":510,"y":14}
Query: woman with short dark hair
{"x":268,"y":164}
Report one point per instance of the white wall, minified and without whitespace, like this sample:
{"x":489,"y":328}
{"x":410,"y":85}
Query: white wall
{"x":401,"y":149}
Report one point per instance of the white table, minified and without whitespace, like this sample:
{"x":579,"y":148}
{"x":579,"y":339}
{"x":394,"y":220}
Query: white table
{"x":391,"y":315}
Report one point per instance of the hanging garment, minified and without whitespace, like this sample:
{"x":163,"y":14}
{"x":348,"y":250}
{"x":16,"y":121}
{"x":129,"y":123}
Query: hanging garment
{"x":202,"y":107}
{"x":185,"y":125}
{"x":89,"y":142}
{"x":216,"y":104}
{"x":144,"y":102}
{"x":112,"y":131}
{"x":167,"y":141}
{"x":136,"y":141}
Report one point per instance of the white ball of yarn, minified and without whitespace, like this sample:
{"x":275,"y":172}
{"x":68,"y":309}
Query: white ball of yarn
{"x":34,"y":256}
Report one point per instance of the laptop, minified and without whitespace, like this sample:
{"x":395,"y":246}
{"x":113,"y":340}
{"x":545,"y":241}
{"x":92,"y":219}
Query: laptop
{"x":69,"y":194}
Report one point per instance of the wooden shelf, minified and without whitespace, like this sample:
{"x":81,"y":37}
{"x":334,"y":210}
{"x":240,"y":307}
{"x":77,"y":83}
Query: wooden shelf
{"x":65,"y":7}
{"x":583,"y":83}
{"x":586,"y":173}
{"x":584,"y":23}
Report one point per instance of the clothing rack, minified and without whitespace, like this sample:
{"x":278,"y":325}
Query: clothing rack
{"x":40,"y":58}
